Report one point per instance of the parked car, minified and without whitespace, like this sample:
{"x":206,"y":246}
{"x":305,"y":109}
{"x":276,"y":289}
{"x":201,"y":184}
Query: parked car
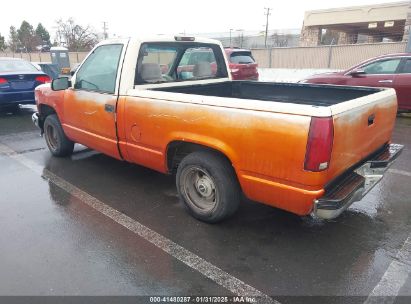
{"x":190,"y":58}
{"x":18,"y":79}
{"x":52,"y":70}
{"x":391,"y":71}
{"x":43,"y":48}
{"x":281,"y":144}
{"x":242,"y":64}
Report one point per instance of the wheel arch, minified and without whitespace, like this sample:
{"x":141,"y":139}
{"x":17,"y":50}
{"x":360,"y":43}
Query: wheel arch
{"x":177,"y":149}
{"x":44,"y":111}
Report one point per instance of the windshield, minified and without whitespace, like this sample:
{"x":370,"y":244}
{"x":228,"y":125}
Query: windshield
{"x":241,"y":58}
{"x":16,"y":66}
{"x":171,"y":62}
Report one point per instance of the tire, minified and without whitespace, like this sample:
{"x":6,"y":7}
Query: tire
{"x":57,"y":142}
{"x":207,"y":186}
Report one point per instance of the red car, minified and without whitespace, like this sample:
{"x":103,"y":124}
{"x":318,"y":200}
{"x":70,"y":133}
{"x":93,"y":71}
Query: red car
{"x":393,"y":71}
{"x":242,"y":64}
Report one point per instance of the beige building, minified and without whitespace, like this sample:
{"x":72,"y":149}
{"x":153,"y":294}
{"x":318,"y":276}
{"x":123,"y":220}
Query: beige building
{"x":350,"y":25}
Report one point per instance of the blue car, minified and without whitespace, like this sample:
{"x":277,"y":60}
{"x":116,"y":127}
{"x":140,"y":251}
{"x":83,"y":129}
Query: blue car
{"x":18,"y":79}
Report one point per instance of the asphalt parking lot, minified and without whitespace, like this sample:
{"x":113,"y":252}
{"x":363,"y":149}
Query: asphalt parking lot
{"x":90,"y":225}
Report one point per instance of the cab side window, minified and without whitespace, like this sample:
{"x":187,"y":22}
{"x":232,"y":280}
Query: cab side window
{"x":99,"y":71}
{"x":388,"y":66}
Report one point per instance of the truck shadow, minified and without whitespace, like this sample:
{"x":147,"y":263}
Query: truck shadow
{"x":260,"y":243}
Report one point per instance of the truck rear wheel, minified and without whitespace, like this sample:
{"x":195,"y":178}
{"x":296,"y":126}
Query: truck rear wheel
{"x":57,"y":142}
{"x":207,"y":186}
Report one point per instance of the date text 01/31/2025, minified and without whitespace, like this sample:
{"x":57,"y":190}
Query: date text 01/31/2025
{"x":203,"y":299}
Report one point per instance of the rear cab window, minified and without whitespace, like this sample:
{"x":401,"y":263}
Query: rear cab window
{"x":162,"y":62}
{"x":241,"y":58}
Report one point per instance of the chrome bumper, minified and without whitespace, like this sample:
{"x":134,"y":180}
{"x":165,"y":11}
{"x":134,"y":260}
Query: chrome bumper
{"x":354,"y":186}
{"x":35,"y":119}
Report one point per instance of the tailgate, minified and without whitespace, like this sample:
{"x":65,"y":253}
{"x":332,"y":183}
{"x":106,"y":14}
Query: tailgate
{"x":361,"y":126}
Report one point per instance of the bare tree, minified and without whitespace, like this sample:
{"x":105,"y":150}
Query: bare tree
{"x":2,"y":43}
{"x":75,"y":36}
{"x":280,"y":40}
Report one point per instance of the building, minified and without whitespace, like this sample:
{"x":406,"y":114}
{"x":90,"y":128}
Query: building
{"x":357,"y":24}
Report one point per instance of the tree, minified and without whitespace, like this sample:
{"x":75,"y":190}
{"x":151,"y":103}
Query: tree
{"x":75,"y":36}
{"x":13,"y":39}
{"x":42,"y":34}
{"x":2,"y":43}
{"x":27,"y":37}
{"x":280,"y":40}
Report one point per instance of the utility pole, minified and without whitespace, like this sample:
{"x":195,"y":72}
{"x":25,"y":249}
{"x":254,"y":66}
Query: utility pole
{"x":105,"y":28}
{"x":230,"y":36}
{"x":267,"y":13}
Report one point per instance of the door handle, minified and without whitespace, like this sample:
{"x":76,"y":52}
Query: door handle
{"x":109,"y":108}
{"x":385,"y":81}
{"x":371,"y":119}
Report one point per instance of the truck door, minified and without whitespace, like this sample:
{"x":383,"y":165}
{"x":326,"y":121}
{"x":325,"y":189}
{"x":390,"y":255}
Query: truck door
{"x":90,"y":104}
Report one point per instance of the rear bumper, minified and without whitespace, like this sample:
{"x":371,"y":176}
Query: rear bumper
{"x":354,"y":186}
{"x":22,"y":97}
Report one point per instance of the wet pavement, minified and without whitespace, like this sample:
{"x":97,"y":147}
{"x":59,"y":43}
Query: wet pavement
{"x":53,"y":243}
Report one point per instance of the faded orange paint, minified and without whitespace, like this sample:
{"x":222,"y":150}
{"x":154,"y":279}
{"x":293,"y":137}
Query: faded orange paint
{"x":354,"y":139}
{"x":267,"y":150}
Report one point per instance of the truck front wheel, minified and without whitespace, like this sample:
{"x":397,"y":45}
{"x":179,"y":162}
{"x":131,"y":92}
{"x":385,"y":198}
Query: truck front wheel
{"x":57,"y":142}
{"x":207,"y":186}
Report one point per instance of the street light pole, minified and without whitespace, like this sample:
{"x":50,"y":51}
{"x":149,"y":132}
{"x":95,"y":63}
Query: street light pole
{"x":240,"y":36}
{"x":267,"y":13}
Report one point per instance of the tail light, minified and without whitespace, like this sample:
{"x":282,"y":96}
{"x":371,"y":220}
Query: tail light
{"x":319,"y":144}
{"x":3,"y":80}
{"x":43,"y":79}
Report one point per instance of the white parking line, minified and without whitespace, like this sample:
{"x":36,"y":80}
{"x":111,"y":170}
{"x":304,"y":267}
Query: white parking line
{"x":231,"y":283}
{"x":400,"y":172}
{"x":394,"y":278}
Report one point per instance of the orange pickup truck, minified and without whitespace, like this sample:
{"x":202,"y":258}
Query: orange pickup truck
{"x":308,"y":149}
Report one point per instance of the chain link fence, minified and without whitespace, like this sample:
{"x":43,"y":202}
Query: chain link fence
{"x":323,"y":57}
{"x":75,"y":57}
{"x":320,"y":57}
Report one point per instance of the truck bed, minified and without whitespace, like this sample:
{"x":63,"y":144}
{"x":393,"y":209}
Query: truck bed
{"x":308,"y":94}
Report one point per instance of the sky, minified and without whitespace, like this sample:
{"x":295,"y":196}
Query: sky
{"x":134,"y":18}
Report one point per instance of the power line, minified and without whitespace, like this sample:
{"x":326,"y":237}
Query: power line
{"x":267,"y":13}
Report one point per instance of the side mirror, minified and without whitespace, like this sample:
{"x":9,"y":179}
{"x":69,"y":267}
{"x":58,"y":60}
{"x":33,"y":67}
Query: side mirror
{"x":61,"y":83}
{"x":357,"y":73}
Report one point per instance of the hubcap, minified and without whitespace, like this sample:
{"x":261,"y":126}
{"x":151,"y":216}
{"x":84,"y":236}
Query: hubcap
{"x":199,"y":188}
{"x":205,"y":186}
{"x":51,"y":137}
